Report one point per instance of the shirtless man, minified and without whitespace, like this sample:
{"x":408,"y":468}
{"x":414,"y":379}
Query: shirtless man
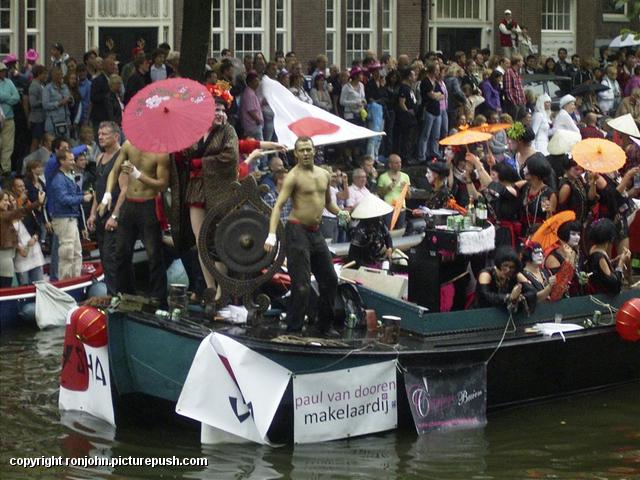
{"x":148,"y":176}
{"x":307,"y":252}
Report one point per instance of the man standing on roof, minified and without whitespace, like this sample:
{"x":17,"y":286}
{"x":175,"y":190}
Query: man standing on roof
{"x":508,"y":29}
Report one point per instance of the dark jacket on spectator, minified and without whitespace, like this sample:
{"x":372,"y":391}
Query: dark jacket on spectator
{"x":114,"y":110}
{"x":99,"y":92}
{"x":136,"y":82}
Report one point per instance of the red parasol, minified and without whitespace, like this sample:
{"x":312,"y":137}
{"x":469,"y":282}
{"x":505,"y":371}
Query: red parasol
{"x":563,"y":280}
{"x":168,"y":116}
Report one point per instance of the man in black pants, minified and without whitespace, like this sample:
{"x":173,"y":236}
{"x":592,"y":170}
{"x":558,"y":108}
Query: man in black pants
{"x":105,"y":221}
{"x":148,"y":175}
{"x":307,"y":251}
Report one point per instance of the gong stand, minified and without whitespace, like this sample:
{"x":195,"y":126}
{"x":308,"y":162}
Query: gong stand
{"x":233,"y":233}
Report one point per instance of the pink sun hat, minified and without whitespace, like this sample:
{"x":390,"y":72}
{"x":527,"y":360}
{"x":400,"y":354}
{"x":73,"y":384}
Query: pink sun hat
{"x":10,"y":58}
{"x":31,"y":55}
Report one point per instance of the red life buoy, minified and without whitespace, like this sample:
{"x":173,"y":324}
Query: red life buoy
{"x":628,"y":320}
{"x":91,"y":326}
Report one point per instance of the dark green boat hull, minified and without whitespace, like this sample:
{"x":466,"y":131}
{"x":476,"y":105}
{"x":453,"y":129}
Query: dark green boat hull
{"x":152,"y":357}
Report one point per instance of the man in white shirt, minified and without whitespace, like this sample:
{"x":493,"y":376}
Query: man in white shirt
{"x":159,"y":70}
{"x":358,"y":189}
{"x":608,"y":100}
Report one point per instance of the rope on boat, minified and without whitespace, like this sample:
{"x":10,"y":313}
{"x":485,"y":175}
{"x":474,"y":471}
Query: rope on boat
{"x":510,"y":322}
{"x":325,"y":367}
{"x":600,"y":303}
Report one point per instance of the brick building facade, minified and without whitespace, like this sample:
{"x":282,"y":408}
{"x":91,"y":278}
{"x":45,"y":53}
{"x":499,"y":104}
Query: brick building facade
{"x":344,"y":29}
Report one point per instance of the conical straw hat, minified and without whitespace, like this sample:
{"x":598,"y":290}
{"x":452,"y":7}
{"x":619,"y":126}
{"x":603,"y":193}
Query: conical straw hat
{"x":625,"y":124}
{"x":371,"y":206}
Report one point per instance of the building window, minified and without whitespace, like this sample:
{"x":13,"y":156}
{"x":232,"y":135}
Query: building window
{"x":612,"y":11}
{"x":388,"y":26}
{"x":458,"y":9}
{"x":218,"y":23}
{"x":8,"y":26}
{"x":129,"y":8}
{"x":360,"y":31}
{"x":249,"y":28}
{"x":556,"y":15}
{"x":331,"y":20}
{"x":34,"y":12}
{"x":283,"y":25}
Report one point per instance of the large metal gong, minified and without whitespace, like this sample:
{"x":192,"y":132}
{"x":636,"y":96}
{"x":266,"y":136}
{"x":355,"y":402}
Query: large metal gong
{"x":234,"y":233}
{"x":239,"y":241}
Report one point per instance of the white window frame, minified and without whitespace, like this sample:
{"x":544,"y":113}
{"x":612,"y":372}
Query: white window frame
{"x":571,"y":26}
{"x":390,"y":29}
{"x":459,"y":15}
{"x":335,"y":31}
{"x":39,"y":30}
{"x":284,"y":30}
{"x":262,"y":30}
{"x":12,"y":31}
{"x":617,"y":17}
{"x":372,"y":31}
{"x":163,"y":22}
{"x":222,"y":30}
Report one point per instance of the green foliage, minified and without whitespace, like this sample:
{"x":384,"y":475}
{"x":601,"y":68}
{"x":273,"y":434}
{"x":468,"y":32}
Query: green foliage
{"x":516,"y":131}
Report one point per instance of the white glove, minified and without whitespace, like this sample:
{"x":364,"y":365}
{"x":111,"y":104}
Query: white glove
{"x":271,"y":240}
{"x":106,"y":198}
{"x":135,"y":173}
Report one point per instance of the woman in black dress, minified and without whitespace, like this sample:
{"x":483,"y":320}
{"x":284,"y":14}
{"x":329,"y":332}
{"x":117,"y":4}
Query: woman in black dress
{"x":538,"y":200}
{"x":614,"y":203}
{"x":539,"y":277}
{"x":503,"y":285}
{"x":576,"y":193}
{"x":605,"y":278}
{"x":504,"y":206}
{"x":438,"y":195}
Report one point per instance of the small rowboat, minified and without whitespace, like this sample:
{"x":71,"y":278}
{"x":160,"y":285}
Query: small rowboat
{"x":13,"y":300}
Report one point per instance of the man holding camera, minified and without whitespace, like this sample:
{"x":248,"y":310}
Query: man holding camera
{"x":508,"y":29}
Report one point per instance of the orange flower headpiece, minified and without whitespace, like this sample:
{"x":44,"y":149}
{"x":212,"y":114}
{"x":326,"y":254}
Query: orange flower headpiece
{"x":220,"y":92}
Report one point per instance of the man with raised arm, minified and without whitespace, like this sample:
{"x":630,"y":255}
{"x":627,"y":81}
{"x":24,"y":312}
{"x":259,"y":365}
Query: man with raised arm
{"x":148,"y":176}
{"x":307,"y":252}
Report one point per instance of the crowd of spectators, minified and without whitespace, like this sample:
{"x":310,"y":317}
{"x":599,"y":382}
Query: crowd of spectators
{"x":53,"y":105}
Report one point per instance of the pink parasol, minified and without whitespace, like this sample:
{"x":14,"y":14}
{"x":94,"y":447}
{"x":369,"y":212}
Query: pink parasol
{"x":168,"y":116}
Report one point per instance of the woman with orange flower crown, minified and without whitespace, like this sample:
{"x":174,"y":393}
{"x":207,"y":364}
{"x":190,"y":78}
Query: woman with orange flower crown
{"x":213,"y":166}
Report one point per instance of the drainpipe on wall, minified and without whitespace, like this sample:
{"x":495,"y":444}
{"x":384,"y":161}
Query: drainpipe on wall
{"x":424,"y":27}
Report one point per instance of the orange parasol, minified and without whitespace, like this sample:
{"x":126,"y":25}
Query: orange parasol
{"x":598,"y":155}
{"x":547,"y":234}
{"x":466,"y":137}
{"x":398,"y":205}
{"x":491,"y":127}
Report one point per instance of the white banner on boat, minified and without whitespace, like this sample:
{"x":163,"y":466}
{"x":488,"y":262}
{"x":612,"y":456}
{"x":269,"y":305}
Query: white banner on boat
{"x":85,"y":376}
{"x":345,"y":403}
{"x":232,"y":388}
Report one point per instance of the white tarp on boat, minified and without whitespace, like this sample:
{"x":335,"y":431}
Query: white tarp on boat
{"x":52,"y":305}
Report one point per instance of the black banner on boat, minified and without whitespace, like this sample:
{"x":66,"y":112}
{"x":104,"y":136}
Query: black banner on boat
{"x":449,"y":397}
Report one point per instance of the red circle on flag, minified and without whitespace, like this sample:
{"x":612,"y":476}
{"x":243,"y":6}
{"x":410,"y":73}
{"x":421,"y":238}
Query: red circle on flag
{"x":310,"y":126}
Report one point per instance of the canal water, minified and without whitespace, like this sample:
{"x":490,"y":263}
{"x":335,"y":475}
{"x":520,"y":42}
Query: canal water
{"x":595,"y":436}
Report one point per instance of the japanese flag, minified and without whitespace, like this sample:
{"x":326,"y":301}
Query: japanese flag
{"x":294,"y":118}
